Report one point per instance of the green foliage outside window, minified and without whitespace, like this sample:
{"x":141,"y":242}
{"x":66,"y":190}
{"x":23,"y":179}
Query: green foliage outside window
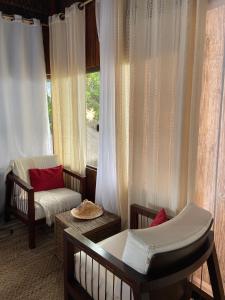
{"x":92,"y":98}
{"x":92,"y":95}
{"x":50,"y":111}
{"x":49,"y":99}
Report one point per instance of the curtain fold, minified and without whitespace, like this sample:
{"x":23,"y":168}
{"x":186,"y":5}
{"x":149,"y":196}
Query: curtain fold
{"x":151,"y":65}
{"x":24,"y":123}
{"x":67,"y":58}
{"x":111,"y":186}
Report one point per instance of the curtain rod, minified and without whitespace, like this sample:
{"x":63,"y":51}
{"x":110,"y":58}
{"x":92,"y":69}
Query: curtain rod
{"x":25,"y":20}
{"x":80,"y":5}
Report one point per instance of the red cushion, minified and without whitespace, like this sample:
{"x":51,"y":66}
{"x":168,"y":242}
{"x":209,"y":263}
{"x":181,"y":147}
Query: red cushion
{"x":46,"y":179}
{"x":160,"y":218}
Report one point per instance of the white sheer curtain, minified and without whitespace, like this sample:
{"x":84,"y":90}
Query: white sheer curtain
{"x":106,"y":186}
{"x":151,"y":62}
{"x":67,"y":56}
{"x":24,"y":124}
{"x":166,"y":48}
{"x":111,"y":187}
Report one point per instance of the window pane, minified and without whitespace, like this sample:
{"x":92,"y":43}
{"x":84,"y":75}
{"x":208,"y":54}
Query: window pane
{"x":92,"y":116}
{"x":49,"y":99}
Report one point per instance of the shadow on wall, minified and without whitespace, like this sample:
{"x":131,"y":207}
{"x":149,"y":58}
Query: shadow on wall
{"x":2,"y":194}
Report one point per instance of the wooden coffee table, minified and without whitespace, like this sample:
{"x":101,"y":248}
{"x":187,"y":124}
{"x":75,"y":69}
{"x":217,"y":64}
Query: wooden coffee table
{"x":96,"y":230}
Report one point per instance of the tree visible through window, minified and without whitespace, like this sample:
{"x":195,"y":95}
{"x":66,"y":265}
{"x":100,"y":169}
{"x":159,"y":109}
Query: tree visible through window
{"x":49,"y":99}
{"x":92,"y":116}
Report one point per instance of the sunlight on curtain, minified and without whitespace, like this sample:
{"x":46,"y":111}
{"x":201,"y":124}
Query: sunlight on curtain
{"x":67,"y":56}
{"x":210,"y":191}
{"x":151,"y":64}
{"x":165,"y":70}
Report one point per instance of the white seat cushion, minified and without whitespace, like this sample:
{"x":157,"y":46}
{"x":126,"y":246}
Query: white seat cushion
{"x":54,"y":201}
{"x":115,"y":246}
{"x":60,"y":200}
{"x":39,"y":211}
{"x":181,"y":231}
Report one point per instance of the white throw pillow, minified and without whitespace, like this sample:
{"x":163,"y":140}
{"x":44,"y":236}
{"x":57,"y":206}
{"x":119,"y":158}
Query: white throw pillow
{"x":137,"y":254}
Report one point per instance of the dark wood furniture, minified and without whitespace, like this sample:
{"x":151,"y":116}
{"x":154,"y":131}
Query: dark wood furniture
{"x":91,"y":174}
{"x":170,"y":271}
{"x":17,"y":189}
{"x":96,"y":230}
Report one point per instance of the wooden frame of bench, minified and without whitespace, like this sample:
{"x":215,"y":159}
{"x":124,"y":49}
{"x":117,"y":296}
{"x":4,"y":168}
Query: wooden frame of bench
{"x":170,"y":271}
{"x":13,"y":182}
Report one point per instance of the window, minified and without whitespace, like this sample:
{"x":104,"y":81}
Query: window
{"x":92,"y":117}
{"x":49,"y":99}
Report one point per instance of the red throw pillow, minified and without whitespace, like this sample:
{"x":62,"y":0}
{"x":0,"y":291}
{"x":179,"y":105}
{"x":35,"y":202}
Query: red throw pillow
{"x":160,"y":218}
{"x":46,"y":179}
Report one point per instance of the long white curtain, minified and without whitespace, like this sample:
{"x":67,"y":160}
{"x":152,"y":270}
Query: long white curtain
{"x":151,"y":62}
{"x":111,"y":187}
{"x":106,"y":186}
{"x":24,"y":124}
{"x":166,"y":49}
{"x":67,"y":56}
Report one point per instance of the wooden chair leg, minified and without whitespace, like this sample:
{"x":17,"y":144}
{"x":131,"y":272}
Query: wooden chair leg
{"x":31,"y":229}
{"x":188,"y":290}
{"x":215,"y":276}
{"x":7,"y":216}
{"x":9,"y":189}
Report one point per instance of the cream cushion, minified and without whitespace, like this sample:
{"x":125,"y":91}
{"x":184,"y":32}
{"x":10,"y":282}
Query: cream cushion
{"x":182,"y":230}
{"x":21,"y":166}
{"x":135,"y":248}
{"x":49,"y":203}
{"x":55,"y":201}
{"x":115,"y":246}
{"x":39,"y":211}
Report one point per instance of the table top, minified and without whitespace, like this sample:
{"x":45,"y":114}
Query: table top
{"x":82,"y":226}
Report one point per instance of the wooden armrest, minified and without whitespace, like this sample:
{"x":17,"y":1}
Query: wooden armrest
{"x":104,"y":258}
{"x":11,"y":179}
{"x":20,"y":182}
{"x":136,"y":210}
{"x":144,"y":211}
{"x":74,"y":174}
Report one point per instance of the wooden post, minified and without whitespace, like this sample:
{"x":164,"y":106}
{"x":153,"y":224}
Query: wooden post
{"x":69,"y":267}
{"x":31,"y":218}
{"x":9,"y":187}
{"x":215,"y":276}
